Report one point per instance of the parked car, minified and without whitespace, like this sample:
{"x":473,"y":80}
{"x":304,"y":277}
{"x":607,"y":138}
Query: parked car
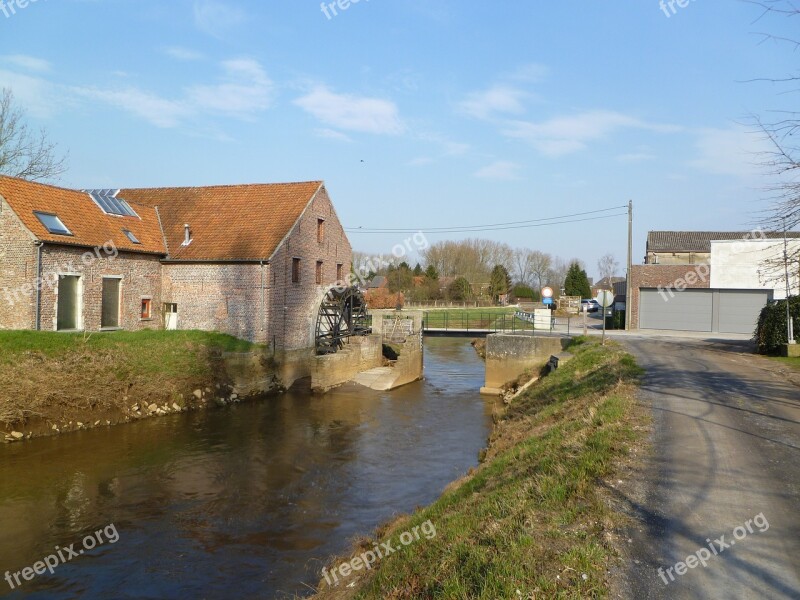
{"x":591,"y":306}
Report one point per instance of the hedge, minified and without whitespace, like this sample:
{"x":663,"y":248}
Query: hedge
{"x":771,"y":330}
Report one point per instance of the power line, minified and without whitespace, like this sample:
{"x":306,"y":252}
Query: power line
{"x":562,"y":220}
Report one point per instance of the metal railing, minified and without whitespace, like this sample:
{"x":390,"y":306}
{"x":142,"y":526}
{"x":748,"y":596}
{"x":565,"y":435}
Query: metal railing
{"x":484,"y":322}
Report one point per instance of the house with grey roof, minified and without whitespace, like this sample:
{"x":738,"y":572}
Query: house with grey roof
{"x":710,"y":281}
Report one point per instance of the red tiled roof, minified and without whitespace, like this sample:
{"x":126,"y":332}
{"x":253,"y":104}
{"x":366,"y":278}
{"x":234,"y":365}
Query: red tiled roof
{"x":89,"y":225}
{"x":235,"y":222}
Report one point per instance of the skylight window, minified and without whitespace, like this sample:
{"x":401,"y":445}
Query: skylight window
{"x":131,"y":236}
{"x":52,"y":223}
{"x":109,"y":203}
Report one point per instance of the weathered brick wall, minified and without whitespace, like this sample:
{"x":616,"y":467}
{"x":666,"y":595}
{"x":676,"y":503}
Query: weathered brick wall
{"x":653,"y":276}
{"x":18,"y":272}
{"x":294,"y":305}
{"x":231,"y":298}
{"x":678,"y":258}
{"x":140,"y":278}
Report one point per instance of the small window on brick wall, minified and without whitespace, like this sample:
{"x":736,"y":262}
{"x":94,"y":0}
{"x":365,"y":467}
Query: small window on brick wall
{"x":339,"y":272}
{"x":320,"y":230}
{"x":295,"y":270}
{"x":319,"y":272}
{"x":147,"y":308}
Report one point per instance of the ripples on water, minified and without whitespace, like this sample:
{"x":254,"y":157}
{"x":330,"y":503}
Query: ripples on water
{"x":247,"y":501}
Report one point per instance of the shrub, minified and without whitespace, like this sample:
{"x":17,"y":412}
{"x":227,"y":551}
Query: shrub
{"x":771,"y":329}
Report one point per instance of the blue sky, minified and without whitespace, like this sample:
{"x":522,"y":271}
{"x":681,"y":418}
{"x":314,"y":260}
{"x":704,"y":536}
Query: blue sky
{"x":417,"y":113}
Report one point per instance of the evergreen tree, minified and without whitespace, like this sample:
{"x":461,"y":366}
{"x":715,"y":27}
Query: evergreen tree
{"x":432,"y":273}
{"x":417,"y":270}
{"x":577,"y":282}
{"x":499,"y":282}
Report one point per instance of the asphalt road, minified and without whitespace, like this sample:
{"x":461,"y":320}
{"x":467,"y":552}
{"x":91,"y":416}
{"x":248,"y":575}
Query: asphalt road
{"x":726,"y":435}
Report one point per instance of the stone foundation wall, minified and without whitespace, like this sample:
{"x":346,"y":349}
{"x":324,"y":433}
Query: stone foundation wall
{"x":359,"y":354}
{"x":508,"y":355}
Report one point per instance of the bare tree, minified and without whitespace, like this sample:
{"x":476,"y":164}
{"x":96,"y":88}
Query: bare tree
{"x":782,"y":159}
{"x":607,"y":266}
{"x":25,"y":154}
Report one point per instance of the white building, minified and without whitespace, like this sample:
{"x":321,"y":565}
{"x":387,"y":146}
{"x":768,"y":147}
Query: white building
{"x":754,"y":264}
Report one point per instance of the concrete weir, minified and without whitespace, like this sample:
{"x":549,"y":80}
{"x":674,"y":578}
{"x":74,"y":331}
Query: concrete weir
{"x":509,"y":355}
{"x":362,"y":359}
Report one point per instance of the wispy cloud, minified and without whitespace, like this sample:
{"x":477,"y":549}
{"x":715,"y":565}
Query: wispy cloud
{"x":39,"y":97}
{"x":635,"y":157}
{"x":243,"y":92}
{"x":159,"y":111}
{"x":734,"y":151}
{"x":502,"y":170}
{"x":352,"y":113}
{"x":498,"y":99}
{"x":246,"y":90}
{"x":564,"y":135}
{"x":332,"y":134}
{"x":217,"y":18}
{"x":29,"y":63}
{"x":183,"y":54}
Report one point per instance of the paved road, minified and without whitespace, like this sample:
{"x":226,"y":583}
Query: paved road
{"x":726,"y":449}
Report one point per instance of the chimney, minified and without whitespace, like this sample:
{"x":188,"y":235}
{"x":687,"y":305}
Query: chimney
{"x":187,"y":235}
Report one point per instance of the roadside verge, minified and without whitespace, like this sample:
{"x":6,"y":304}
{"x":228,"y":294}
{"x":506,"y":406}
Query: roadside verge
{"x":535,"y":518}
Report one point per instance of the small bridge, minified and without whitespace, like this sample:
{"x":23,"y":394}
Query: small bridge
{"x":479,"y":324}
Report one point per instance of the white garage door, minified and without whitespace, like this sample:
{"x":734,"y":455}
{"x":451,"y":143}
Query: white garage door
{"x":689,"y":310}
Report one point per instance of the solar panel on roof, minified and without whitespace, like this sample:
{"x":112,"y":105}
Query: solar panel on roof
{"x":107,"y":200}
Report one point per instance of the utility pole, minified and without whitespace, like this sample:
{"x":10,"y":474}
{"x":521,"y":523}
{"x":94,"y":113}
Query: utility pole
{"x":789,"y":328}
{"x":628,"y":287}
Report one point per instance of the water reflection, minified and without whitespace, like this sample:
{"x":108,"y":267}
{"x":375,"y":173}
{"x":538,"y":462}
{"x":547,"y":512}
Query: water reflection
{"x":246,"y":501}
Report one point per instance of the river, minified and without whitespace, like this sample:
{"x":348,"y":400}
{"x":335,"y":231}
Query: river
{"x":243,"y":502}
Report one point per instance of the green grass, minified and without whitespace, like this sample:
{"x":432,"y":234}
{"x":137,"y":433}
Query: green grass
{"x":52,"y":375}
{"x":530,"y":521}
{"x":790,"y":362}
{"x":149,"y":351}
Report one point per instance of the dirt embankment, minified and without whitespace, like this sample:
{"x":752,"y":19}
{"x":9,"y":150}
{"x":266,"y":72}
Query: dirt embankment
{"x":536,"y":519}
{"x":52,"y":384}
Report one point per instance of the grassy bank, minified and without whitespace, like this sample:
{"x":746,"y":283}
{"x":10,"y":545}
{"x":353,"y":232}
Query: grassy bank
{"x":793,"y":362}
{"x":533,"y":521}
{"x":56,"y":378}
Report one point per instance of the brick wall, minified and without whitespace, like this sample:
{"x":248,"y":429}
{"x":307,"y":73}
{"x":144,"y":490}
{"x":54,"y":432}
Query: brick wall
{"x":231,"y":298}
{"x":18,"y":272}
{"x":653,"y":276}
{"x":140,"y":278}
{"x":294,"y":306}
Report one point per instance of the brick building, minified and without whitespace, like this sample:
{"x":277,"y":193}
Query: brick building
{"x":251,"y":260}
{"x":706,"y":281}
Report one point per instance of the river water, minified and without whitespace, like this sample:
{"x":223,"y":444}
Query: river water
{"x":244,"y":502}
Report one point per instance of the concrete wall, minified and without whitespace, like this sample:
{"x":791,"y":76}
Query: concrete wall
{"x":359,"y":354}
{"x":410,"y":364}
{"x":17,"y":270}
{"x":753,"y":264}
{"x":508,"y":355}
